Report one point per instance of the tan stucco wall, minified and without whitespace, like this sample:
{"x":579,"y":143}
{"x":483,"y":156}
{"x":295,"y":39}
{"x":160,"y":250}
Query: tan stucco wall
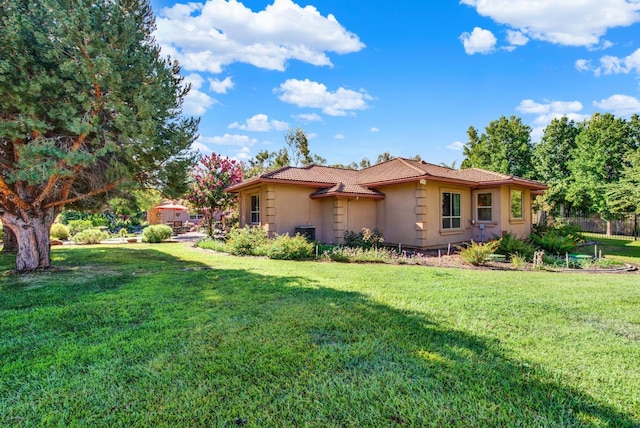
{"x":156,"y":216}
{"x":410,"y":213}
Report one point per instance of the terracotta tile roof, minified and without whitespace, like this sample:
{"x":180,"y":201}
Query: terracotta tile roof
{"x":398,"y":170}
{"x":347,"y":189}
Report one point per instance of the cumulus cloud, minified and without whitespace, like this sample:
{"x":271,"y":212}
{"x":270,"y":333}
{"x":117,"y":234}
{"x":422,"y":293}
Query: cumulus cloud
{"x":228,"y":140}
{"x":339,"y":136}
{"x":260,"y":123}
{"x":620,"y":105}
{"x":613,"y":65}
{"x":305,"y":93}
{"x":456,"y":145}
{"x":196,"y":102}
{"x":478,"y":41}
{"x":516,"y":38}
{"x":243,"y":154}
{"x":221,"y":86}
{"x":374,"y":129}
{"x":208,"y":36}
{"x":570,"y":23}
{"x":307,"y":117}
{"x":547,"y":111}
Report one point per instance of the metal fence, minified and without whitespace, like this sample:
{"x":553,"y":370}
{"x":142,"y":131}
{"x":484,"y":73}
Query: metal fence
{"x":624,"y":228}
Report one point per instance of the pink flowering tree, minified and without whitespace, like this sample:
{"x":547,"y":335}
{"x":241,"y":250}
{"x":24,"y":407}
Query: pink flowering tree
{"x":210,"y":177}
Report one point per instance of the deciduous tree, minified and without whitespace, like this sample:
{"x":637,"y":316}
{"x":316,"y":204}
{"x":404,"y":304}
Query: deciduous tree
{"x":87,"y":104}
{"x":211,"y":176}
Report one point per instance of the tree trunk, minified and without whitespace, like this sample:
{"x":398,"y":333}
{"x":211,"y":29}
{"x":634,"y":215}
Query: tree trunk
{"x":10,"y":243}
{"x":32,"y":238}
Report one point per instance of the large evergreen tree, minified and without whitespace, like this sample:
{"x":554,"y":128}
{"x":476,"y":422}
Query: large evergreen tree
{"x":87,"y":104}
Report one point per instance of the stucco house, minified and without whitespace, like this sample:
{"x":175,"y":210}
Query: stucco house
{"x":412,"y":203}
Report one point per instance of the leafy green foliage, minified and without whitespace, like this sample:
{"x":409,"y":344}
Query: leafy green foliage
{"x":156,"y":233}
{"x":512,"y":245}
{"x":90,"y":236}
{"x":285,"y":247}
{"x":247,"y":241}
{"x":59,"y":231}
{"x":366,"y":238}
{"x":557,"y":239}
{"x":504,"y":147}
{"x":477,"y":253}
{"x":77,"y":226}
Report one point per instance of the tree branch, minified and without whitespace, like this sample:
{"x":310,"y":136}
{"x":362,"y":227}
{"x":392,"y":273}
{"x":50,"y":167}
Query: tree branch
{"x":104,"y":189}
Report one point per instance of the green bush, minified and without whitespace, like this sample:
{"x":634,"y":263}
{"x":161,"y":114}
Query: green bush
{"x":90,"y":236}
{"x":213,"y":244}
{"x":363,"y":239}
{"x":1,"y":231}
{"x":552,"y":241}
{"x":77,"y":226}
{"x":59,"y":231}
{"x":477,"y":254}
{"x":285,"y":247}
{"x":247,"y":241}
{"x":156,"y":233}
{"x":511,"y":245}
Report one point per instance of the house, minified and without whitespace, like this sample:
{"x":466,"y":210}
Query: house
{"x":412,"y":203}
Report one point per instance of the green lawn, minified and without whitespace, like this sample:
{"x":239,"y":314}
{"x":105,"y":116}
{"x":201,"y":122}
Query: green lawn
{"x":623,"y":250}
{"x":167,"y":335}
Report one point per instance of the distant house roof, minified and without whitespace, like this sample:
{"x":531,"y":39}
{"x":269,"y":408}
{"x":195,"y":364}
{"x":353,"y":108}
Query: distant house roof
{"x":337,"y":181}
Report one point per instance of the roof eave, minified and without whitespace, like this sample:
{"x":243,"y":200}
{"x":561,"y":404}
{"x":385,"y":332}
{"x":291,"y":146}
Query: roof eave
{"x":346,"y":195}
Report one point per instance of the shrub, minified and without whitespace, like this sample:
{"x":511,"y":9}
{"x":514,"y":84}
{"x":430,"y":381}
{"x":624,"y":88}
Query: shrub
{"x":123,"y":232}
{"x":213,"y":244}
{"x":247,"y":241}
{"x":90,"y":236}
{"x":1,"y":231}
{"x":363,"y":239}
{"x":511,"y":245}
{"x":477,"y":254}
{"x":553,"y":242}
{"x":284,"y":247}
{"x":156,"y":233}
{"x":518,"y":261}
{"x":77,"y":226}
{"x":59,"y":231}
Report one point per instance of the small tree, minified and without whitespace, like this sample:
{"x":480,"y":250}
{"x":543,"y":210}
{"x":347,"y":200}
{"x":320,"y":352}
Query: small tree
{"x":211,"y":176}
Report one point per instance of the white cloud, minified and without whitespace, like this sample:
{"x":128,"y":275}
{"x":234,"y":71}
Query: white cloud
{"x":571,"y":23}
{"x":208,"y":36}
{"x":221,"y":86}
{"x":307,"y":117}
{"x":547,"y":111}
{"x":260,"y":123}
{"x":478,"y":41}
{"x":196,"y":102}
{"x":456,"y":145}
{"x":243,"y":154}
{"x":305,"y":93}
{"x":228,"y":140}
{"x":202,"y":148}
{"x":615,"y":65}
{"x":339,"y":136}
{"x":583,"y":65}
{"x":516,"y":38}
{"x":620,"y":105}
{"x":374,"y":129}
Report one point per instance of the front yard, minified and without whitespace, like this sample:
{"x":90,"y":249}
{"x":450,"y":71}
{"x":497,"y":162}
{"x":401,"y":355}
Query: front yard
{"x":168,"y":335}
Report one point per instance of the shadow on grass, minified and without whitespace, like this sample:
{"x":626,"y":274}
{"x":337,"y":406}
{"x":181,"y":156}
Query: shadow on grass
{"x":148,"y":342}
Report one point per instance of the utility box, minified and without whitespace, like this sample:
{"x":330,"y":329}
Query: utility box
{"x":308,"y":232}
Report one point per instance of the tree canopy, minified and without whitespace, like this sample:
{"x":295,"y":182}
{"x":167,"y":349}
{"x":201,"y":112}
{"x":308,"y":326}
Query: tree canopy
{"x":87,"y":105}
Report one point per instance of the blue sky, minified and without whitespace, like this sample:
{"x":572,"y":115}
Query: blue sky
{"x":407,"y":77}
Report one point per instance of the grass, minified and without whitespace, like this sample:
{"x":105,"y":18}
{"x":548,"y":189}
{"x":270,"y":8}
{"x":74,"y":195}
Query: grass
{"x":171,"y":336}
{"x":625,"y":251}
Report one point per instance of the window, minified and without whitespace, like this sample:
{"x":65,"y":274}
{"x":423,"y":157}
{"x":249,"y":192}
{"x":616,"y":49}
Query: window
{"x":196,"y":216}
{"x":450,"y":210}
{"x":255,"y":209}
{"x":517,"y":206}
{"x":484,"y":207}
